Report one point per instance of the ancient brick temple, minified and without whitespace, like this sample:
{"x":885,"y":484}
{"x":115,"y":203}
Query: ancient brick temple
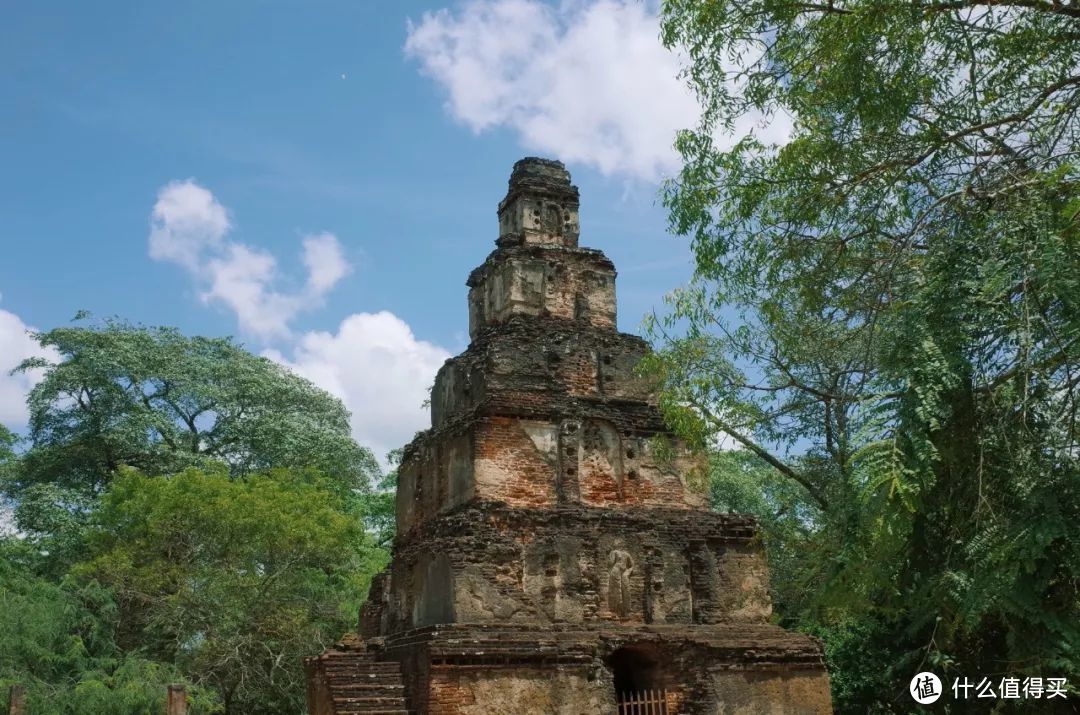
{"x":550,"y":555}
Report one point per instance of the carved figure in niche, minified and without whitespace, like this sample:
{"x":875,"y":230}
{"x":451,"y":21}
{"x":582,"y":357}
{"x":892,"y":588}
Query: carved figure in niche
{"x":620,"y":566}
{"x":551,"y":221}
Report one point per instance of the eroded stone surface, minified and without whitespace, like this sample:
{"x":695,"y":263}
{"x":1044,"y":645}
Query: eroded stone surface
{"x":576,"y":563}
{"x":551,"y":553}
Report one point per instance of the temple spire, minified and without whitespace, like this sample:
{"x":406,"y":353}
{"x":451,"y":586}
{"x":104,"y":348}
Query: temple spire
{"x":541,"y":205}
{"x":537,"y":269}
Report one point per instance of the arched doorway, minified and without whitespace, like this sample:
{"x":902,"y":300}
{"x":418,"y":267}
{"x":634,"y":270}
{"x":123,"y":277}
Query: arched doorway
{"x":640,"y":682}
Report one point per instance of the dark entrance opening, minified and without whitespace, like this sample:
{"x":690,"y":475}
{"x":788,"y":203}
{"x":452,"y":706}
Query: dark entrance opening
{"x":640,"y":687}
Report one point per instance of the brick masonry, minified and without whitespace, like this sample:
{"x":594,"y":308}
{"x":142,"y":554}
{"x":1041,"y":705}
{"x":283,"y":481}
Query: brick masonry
{"x":551,"y":554}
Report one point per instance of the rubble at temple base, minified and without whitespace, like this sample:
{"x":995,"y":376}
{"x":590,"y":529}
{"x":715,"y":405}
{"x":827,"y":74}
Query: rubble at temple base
{"x":550,"y":556}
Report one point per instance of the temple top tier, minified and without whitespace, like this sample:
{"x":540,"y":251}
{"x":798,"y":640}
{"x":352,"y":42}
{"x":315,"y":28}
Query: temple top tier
{"x":541,"y":205}
{"x":538,"y":269}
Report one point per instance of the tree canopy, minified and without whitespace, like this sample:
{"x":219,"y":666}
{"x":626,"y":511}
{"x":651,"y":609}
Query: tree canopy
{"x":231,"y":580}
{"x":885,"y":312}
{"x":56,"y":641}
{"x":191,"y":513}
{"x":159,"y":401}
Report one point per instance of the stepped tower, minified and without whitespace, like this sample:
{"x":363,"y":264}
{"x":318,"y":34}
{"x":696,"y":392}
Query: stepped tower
{"x":550,"y":555}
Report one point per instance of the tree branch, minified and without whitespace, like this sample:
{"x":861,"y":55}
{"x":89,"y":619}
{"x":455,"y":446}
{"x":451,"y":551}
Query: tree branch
{"x":766,"y":456}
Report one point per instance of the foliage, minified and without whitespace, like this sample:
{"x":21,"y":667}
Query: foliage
{"x":7,"y":445}
{"x":248,"y":553}
{"x":885,"y":311}
{"x":158,"y":401}
{"x":868,"y":669}
{"x":789,"y":521}
{"x":56,"y":640}
{"x":233,"y":580}
{"x":7,"y":464}
{"x":379,"y":505}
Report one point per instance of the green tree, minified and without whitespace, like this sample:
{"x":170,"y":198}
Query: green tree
{"x":885,"y":311}
{"x":159,"y":401}
{"x":232,"y":580}
{"x":7,"y":444}
{"x":863,"y":654}
{"x":7,"y":463}
{"x":56,"y":641}
{"x":741,"y":482}
{"x":379,"y":506}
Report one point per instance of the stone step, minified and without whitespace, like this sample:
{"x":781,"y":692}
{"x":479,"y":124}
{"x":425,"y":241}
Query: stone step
{"x":369,"y":685}
{"x":367,"y":705}
{"x":360,"y":685}
{"x":353,"y":662}
{"x":361,"y":676}
{"x":365,"y":680}
{"x":354,"y":692}
{"x":397,"y":701}
{"x":352,"y":668}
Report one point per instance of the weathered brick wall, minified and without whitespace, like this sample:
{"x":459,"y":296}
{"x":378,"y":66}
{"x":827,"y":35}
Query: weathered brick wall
{"x":731,"y":668}
{"x":514,"y":461}
{"x":319,"y":698}
{"x":576,"y":565}
{"x":512,"y":690}
{"x":553,"y":361}
{"x":783,"y":691}
{"x":539,"y":463}
{"x":374,"y":614}
{"x":572,"y":284}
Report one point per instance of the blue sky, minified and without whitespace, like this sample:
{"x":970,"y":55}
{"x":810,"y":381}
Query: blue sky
{"x":381,"y":134}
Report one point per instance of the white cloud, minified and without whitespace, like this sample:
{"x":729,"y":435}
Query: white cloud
{"x":378,"y":368}
{"x":585,"y":80}
{"x":240,"y":280}
{"x":325,"y":262}
{"x":186,"y":221}
{"x":189,"y":227}
{"x":373,"y":363}
{"x":16,"y":345}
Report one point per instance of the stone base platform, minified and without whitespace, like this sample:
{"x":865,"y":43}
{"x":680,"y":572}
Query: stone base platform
{"x":464,"y":669}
